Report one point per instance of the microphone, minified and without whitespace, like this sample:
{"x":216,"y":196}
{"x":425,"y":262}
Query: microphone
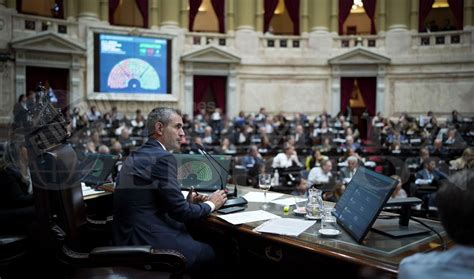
{"x":209,"y":157}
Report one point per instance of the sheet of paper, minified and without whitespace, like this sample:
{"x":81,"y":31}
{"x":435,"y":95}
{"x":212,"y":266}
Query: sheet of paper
{"x":259,"y":197}
{"x":247,"y":217}
{"x":285,"y":226}
{"x":288,"y":201}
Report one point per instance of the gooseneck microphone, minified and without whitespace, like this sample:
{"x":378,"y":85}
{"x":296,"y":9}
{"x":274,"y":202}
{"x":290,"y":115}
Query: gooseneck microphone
{"x":235,"y":201}
{"x":209,"y":157}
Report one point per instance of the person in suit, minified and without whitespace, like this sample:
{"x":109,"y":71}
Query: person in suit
{"x":346,"y":173}
{"x":456,"y":213}
{"x":149,"y":208}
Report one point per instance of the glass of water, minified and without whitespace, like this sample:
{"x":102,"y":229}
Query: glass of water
{"x":264,"y":182}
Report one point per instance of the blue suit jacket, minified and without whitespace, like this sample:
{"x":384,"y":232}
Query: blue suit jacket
{"x":149,"y":208}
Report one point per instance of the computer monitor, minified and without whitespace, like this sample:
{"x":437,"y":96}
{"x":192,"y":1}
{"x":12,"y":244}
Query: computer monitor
{"x":362,"y":201}
{"x":96,"y":168}
{"x":196,"y":170}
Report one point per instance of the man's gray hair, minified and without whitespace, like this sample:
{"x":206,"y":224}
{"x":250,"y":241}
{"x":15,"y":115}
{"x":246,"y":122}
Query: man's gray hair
{"x":160,"y":114}
{"x":352,"y":159}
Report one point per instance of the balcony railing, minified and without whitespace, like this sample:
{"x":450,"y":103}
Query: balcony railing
{"x":459,"y":38}
{"x":26,"y":25}
{"x":355,"y":41}
{"x":283,"y":42}
{"x":203,"y":39}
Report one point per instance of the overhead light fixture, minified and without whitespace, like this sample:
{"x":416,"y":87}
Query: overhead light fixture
{"x":357,"y":4}
{"x":280,"y":9}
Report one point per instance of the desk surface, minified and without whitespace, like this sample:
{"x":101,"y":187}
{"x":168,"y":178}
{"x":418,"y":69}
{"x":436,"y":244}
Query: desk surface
{"x":378,"y":251}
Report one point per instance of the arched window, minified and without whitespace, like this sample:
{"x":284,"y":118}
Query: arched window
{"x":48,"y":8}
{"x":128,"y":12}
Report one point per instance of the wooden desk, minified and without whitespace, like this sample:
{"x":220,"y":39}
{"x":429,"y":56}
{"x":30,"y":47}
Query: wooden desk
{"x":311,"y":252}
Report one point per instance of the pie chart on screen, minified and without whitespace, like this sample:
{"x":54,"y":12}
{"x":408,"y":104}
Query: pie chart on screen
{"x":135,"y":74}
{"x":195,"y":171}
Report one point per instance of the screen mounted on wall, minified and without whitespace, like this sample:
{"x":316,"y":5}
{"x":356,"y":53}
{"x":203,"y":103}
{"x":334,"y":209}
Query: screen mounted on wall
{"x":132,"y":64}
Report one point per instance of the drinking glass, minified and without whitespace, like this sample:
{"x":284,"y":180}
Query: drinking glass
{"x":328,"y":220}
{"x":264,"y":182}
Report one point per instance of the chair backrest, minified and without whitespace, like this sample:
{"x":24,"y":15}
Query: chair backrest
{"x":58,"y":195}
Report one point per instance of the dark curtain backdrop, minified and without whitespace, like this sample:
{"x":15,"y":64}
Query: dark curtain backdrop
{"x":193,"y":10}
{"x":219,"y":9}
{"x":19,"y":6}
{"x":368,"y":87}
{"x":369,"y":6}
{"x":217,"y":84}
{"x":293,"y":7}
{"x":347,"y":85}
{"x":457,"y":7}
{"x":345,"y":7}
{"x":143,"y":7}
{"x":425,"y":8}
{"x":269,"y":7}
{"x":113,"y":5}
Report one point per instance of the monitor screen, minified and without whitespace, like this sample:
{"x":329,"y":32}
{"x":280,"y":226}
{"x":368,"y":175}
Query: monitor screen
{"x":362,"y":201}
{"x":196,"y":170}
{"x":96,"y":168}
{"x":132,"y":64}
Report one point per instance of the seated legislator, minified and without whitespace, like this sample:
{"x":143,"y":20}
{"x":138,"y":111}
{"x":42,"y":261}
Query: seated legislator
{"x":456,"y":212}
{"x":346,"y":173}
{"x":287,"y":159}
{"x":149,"y":208}
{"x":322,"y":174}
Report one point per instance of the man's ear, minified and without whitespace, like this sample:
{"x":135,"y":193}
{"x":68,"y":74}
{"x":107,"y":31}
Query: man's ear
{"x":159,"y":128}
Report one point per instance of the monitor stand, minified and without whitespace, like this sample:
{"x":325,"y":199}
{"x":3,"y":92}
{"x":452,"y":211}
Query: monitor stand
{"x":403,"y":226}
{"x":391,"y":227}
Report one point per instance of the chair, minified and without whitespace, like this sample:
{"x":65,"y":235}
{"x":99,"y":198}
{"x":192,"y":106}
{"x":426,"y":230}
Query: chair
{"x":64,"y":226}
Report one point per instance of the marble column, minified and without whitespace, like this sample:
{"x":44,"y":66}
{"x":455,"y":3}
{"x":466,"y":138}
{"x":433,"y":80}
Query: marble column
{"x":104,"y":10}
{"x":70,"y":9}
{"x":245,"y":14}
{"x":334,"y":17}
{"x":258,"y":15}
{"x":319,"y":11}
{"x":304,"y":21}
{"x":398,"y":14}
{"x":230,"y":19}
{"x":414,"y":11}
{"x":2,"y":3}
{"x":468,"y":13}
{"x":382,"y":16}
{"x":398,"y":37}
{"x":89,"y":9}
{"x":169,"y":13}
{"x":154,"y":13}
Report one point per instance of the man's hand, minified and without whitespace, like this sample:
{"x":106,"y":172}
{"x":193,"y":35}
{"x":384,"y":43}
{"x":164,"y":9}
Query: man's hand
{"x":194,"y":197}
{"x":218,"y":198}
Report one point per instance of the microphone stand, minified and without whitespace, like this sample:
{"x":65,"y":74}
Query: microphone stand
{"x":207,"y":155}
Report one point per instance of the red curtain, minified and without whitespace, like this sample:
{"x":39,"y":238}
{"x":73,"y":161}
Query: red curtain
{"x":217,"y":84}
{"x":143,"y":7}
{"x":219,"y":9}
{"x":345,"y":7}
{"x":368,"y":90}
{"x":369,"y":6}
{"x":269,"y":7}
{"x":293,"y":7}
{"x":113,"y":5}
{"x":193,"y":10}
{"x":425,"y":8}
{"x":457,"y":7}
{"x":347,"y":85}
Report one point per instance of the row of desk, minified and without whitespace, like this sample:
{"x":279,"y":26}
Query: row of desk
{"x":311,"y":252}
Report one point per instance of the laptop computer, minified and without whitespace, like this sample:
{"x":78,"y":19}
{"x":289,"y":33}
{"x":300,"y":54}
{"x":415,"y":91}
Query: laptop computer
{"x":96,"y":168}
{"x":195,"y":170}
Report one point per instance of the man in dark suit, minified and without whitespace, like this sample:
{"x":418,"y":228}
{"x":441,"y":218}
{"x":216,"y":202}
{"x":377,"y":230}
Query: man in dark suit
{"x":149,"y":208}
